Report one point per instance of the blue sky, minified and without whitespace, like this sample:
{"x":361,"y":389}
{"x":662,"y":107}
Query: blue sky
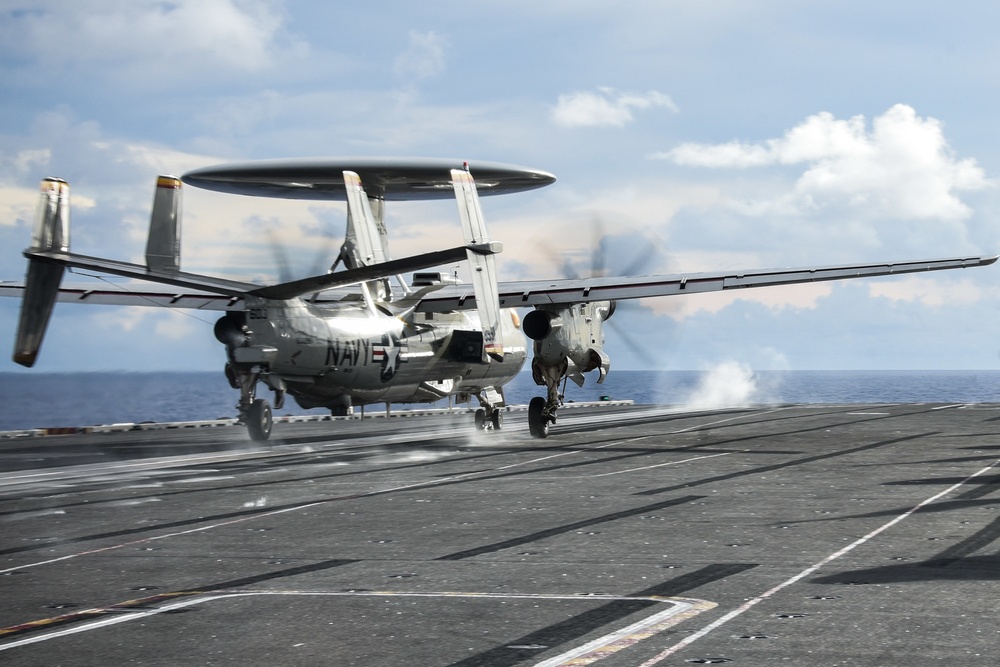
{"x":718,"y":134}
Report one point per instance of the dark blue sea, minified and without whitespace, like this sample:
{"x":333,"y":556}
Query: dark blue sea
{"x":46,"y":400}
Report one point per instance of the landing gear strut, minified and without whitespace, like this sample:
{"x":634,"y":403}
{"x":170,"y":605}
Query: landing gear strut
{"x":542,"y":411}
{"x":254,"y":412}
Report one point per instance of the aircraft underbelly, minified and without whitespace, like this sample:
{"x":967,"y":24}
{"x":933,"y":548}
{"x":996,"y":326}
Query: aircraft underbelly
{"x":465,"y":377}
{"x":423,"y":361}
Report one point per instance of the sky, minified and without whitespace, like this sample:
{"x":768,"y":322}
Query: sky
{"x":685,"y":137}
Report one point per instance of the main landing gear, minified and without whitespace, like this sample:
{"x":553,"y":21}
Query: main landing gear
{"x":494,"y":422}
{"x":539,"y":417}
{"x":254,"y":412}
{"x":490,"y":415}
{"x":259,"y":420}
{"x":542,"y":411}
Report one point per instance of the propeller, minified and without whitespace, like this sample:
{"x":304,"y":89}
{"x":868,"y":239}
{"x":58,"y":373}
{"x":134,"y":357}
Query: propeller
{"x":622,"y":254}
{"x":287,"y":272}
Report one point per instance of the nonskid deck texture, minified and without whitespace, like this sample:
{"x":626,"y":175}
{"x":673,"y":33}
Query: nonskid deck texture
{"x":798,"y":535}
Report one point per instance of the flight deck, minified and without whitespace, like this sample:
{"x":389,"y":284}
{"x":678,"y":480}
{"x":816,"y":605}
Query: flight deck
{"x":805,"y":535}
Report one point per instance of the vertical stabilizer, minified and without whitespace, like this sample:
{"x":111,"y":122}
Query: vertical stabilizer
{"x":481,"y":260}
{"x":51,"y":233}
{"x":163,"y":247}
{"x":365,"y":242}
{"x":377,"y":208}
{"x":362,"y":242}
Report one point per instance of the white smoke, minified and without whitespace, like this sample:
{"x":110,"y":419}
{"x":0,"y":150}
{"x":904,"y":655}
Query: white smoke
{"x":730,"y":384}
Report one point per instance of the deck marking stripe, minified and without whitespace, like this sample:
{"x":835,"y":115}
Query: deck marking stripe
{"x":658,"y":465}
{"x":809,"y":570}
{"x":114,"y":620}
{"x":609,"y":644}
{"x":681,"y":609}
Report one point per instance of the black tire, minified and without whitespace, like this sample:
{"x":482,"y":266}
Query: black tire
{"x":497,"y":419}
{"x":259,"y":420}
{"x":481,"y":419}
{"x":538,"y":425}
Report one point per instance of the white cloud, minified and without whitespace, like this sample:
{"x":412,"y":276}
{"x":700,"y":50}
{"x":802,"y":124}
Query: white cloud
{"x":902,"y":167}
{"x":776,"y":299}
{"x":927,"y":291}
{"x":423,"y":58}
{"x":160,"y":324}
{"x":605,"y":108}
{"x":29,"y":160}
{"x":239,"y":35}
{"x":17,"y":206}
{"x":180,"y":324}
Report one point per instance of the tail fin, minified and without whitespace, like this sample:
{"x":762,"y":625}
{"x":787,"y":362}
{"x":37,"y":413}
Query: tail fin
{"x":362,"y":243}
{"x":480,"y":252}
{"x":163,"y":248}
{"x":51,"y":232}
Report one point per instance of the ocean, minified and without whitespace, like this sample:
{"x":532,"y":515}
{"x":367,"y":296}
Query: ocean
{"x":48,"y":400}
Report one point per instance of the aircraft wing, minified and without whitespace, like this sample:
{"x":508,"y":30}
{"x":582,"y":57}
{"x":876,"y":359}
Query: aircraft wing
{"x":553,"y":292}
{"x":205,"y":293}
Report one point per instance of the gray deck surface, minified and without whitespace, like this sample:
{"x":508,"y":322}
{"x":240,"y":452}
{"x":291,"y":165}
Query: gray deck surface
{"x":776,"y":535}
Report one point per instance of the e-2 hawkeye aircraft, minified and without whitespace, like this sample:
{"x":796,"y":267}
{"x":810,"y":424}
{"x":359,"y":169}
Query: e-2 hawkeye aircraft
{"x":361,"y":334}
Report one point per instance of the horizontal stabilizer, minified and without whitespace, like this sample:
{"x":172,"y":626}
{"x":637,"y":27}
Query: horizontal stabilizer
{"x":362,"y":274}
{"x":129,"y":270}
{"x":210,"y":285}
{"x":133,"y":294}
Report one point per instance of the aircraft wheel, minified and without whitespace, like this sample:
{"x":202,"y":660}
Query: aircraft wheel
{"x":497,"y":419}
{"x":537,"y":423}
{"x":259,"y":420}
{"x":481,"y":419}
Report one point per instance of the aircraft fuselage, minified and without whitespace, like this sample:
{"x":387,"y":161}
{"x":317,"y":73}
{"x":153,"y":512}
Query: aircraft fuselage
{"x":348,"y":354}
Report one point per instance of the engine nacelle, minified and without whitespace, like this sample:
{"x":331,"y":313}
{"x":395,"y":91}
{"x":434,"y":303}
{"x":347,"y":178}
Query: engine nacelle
{"x":539,"y":324}
{"x":230,"y":330}
{"x":569,"y":341}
